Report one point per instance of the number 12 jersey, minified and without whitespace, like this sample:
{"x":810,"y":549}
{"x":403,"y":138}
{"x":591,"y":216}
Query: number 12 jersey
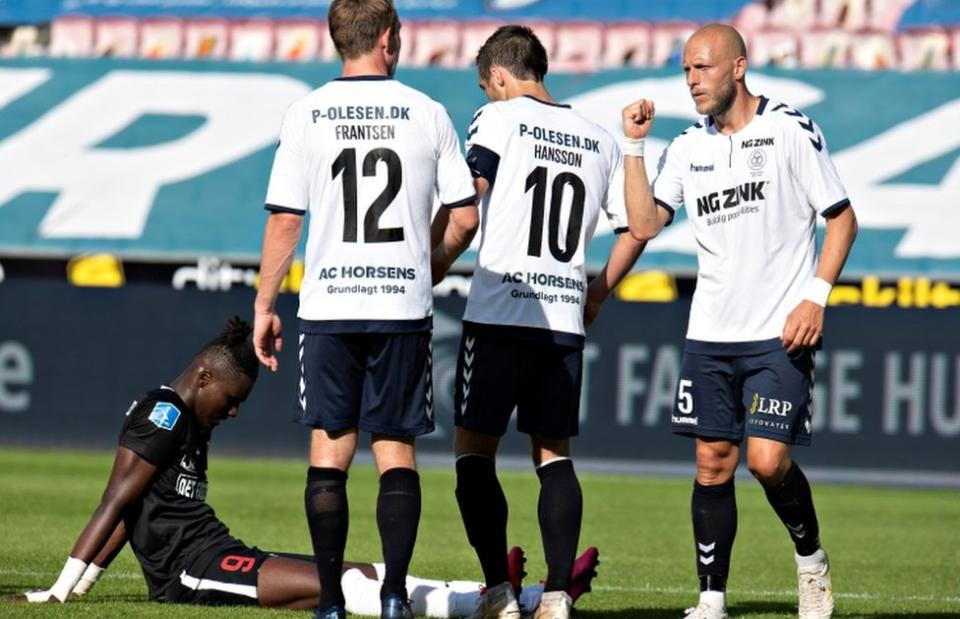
{"x":367,"y":157}
{"x":551,"y":172}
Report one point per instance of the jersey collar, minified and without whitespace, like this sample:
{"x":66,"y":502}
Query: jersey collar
{"x":363,"y":78}
{"x":563,"y":105}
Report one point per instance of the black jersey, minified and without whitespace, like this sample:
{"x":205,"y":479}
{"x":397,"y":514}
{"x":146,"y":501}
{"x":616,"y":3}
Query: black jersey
{"x":172,"y":523}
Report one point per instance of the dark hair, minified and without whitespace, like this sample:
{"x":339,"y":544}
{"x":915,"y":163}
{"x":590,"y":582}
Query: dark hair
{"x":515,"y":48}
{"x":355,"y":25}
{"x":234,"y":349}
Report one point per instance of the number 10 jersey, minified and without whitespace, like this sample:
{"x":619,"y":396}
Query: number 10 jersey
{"x":551,"y":172}
{"x":368,"y":157}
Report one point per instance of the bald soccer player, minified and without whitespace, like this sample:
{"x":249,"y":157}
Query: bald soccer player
{"x":754,"y":173}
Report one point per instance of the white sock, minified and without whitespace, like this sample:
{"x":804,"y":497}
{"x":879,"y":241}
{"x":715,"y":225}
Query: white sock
{"x":716,"y":599}
{"x":813,"y":561}
{"x":362,"y":595}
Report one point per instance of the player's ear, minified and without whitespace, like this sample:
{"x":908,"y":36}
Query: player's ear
{"x":204,"y":377}
{"x":739,"y":68}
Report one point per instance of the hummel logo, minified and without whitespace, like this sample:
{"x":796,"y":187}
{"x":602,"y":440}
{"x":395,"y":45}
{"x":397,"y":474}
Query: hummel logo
{"x":469,"y":342}
{"x":706,"y":559}
{"x":797,"y":531}
{"x":707,"y":548}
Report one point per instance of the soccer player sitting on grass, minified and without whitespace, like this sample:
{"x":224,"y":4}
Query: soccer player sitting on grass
{"x":155,"y":499}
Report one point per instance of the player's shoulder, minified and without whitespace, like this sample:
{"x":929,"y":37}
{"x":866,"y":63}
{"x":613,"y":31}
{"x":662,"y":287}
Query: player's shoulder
{"x":787,"y":117}
{"x":162,"y":407}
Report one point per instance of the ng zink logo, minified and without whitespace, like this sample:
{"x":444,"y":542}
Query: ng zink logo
{"x":731,"y":197}
{"x":770,"y":406}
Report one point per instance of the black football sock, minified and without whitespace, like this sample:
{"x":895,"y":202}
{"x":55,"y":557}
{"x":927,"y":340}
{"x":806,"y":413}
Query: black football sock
{"x":325,"y":499}
{"x":398,"y":515}
{"x":560,"y":511}
{"x":792,"y":501}
{"x":483,"y":508}
{"x":714,"y":511}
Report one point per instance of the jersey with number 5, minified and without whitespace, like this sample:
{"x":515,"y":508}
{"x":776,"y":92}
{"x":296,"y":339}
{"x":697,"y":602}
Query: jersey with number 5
{"x":551,"y":172}
{"x":367,"y":157}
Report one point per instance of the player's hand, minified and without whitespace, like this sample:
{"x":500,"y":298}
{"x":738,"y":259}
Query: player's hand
{"x":803,"y":328}
{"x":638,"y":119}
{"x":266,"y":338}
{"x":590,"y":311}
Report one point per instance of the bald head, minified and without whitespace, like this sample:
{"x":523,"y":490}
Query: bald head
{"x":722,"y":41}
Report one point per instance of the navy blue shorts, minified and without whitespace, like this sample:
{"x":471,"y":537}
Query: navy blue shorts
{"x":767,"y":395}
{"x":377,"y":382}
{"x":540,"y":379}
{"x":221,"y":576}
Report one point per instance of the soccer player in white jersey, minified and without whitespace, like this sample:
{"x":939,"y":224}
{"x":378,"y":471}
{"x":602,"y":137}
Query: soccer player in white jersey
{"x":753,"y":174}
{"x":544,"y":173}
{"x":367,"y":157}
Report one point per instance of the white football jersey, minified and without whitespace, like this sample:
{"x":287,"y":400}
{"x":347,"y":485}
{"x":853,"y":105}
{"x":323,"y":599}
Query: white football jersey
{"x":551,"y":171}
{"x":752,"y":199}
{"x":367,"y":157}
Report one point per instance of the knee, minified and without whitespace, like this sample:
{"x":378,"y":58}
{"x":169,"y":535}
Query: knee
{"x":716,"y":463}
{"x":768,"y":470}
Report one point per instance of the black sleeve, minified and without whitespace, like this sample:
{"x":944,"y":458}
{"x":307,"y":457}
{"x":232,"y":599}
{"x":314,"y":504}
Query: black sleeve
{"x":154,"y":431}
{"x":483,"y":162}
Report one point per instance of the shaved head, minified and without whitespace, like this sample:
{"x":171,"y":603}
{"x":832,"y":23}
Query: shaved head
{"x":723,"y":41}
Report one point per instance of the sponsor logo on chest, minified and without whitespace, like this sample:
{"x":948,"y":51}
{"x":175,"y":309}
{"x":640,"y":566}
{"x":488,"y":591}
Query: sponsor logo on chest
{"x":731,"y":197}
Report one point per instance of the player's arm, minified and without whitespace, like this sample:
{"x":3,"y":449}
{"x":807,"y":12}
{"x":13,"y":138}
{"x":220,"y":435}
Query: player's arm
{"x":100,"y":563}
{"x":280,"y":238}
{"x":129,"y":480}
{"x":623,"y":255}
{"x":645,"y":218}
{"x":804,"y":325}
{"x":460,"y":226}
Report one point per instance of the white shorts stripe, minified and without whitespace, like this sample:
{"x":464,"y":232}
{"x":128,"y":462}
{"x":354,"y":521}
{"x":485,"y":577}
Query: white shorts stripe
{"x":198,"y":584}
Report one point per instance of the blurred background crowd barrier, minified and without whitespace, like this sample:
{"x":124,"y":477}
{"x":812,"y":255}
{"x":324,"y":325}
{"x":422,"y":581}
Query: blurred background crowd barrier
{"x":134,"y":158}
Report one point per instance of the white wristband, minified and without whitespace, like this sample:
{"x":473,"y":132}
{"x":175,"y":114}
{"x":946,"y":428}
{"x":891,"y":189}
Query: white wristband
{"x":818,"y":291}
{"x":90,"y":577}
{"x":72,"y":573}
{"x":633,"y":147}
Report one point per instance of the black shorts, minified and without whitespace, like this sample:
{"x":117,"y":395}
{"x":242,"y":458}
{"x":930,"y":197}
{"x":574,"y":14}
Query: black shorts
{"x":378,"y":382}
{"x":221,"y":576}
{"x":766,"y":395}
{"x":540,"y":379}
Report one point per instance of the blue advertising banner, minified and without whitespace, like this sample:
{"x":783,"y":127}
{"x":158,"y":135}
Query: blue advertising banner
{"x":886,"y":399}
{"x":169,"y":160}
{"x":36,"y":11}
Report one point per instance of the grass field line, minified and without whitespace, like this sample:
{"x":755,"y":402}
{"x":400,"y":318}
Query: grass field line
{"x":779,"y":594}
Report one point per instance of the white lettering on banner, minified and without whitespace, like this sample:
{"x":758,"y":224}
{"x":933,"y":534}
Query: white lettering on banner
{"x":108,"y":192}
{"x":630,"y":385}
{"x":663,"y":384}
{"x":843,"y":390}
{"x":16,"y":376}
{"x":591,"y":352}
{"x":922,"y":391}
{"x":927,"y":212}
{"x":14,"y":83}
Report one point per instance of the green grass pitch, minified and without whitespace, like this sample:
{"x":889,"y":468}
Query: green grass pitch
{"x":894,"y":552}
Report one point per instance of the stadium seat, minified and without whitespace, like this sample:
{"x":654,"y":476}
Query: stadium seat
{"x":116,"y":37}
{"x":579,"y":47}
{"x":753,"y":17}
{"x":71,"y":37}
{"x":925,"y":49}
{"x":825,"y":49}
{"x":873,"y":51}
{"x":473,"y":35}
{"x":668,"y":41}
{"x":955,"y":47}
{"x":852,"y":15}
{"x":24,"y":41}
{"x":773,"y":48}
{"x":251,"y":40}
{"x":437,"y":43}
{"x":794,"y":14}
{"x":299,"y":40}
{"x":626,"y":44}
{"x":161,"y":38}
{"x":206,"y":39}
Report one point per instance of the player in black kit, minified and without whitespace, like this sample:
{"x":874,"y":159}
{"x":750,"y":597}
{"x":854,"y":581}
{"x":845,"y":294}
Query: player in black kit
{"x":155,"y":500}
